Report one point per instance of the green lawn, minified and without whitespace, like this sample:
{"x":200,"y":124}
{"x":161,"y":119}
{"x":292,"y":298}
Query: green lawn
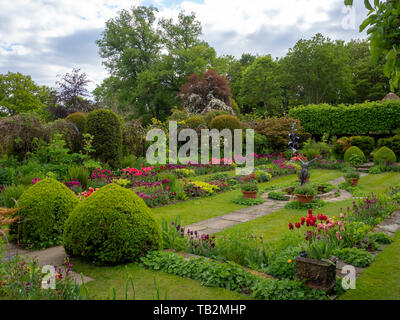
{"x":275,"y":225}
{"x":177,"y":288}
{"x":196,"y":210}
{"x":381,"y":280}
{"x":378,"y":183}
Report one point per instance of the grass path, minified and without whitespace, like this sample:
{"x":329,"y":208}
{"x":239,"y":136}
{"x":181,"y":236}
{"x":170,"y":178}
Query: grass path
{"x":381,"y":280}
{"x":177,"y":288}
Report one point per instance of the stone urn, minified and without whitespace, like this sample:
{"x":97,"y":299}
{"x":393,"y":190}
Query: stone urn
{"x":318,"y":274}
{"x":249,"y":194}
{"x":302,"y":198}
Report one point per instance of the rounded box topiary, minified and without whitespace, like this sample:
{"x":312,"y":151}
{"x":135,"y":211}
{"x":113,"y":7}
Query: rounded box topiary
{"x":384,"y":156}
{"x":225,"y":122}
{"x":44,"y":207}
{"x":354,"y":151}
{"x":106,"y":129}
{"x":78,"y":119}
{"x":113,"y":225}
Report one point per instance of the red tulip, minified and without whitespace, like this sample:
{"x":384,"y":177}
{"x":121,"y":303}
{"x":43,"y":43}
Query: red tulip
{"x":291,"y":227}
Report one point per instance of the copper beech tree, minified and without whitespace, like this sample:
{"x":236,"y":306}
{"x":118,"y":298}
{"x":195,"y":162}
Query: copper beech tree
{"x":209,"y":92}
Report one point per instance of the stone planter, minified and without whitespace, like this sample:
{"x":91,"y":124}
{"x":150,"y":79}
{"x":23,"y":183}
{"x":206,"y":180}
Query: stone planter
{"x":318,"y":274}
{"x":304,"y":198}
{"x":352,"y":181}
{"x":249,"y":194}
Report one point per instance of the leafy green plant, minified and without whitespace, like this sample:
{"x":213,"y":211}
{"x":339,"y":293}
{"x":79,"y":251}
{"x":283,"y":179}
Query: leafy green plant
{"x":306,"y":190}
{"x":380,"y":237}
{"x":356,"y":257}
{"x":282,"y":263}
{"x":297,"y":205}
{"x":281,"y":196}
{"x":352,"y":175}
{"x":249,"y":187}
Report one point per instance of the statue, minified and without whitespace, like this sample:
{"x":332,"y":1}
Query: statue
{"x":293,"y":144}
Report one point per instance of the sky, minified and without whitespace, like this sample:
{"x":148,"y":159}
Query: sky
{"x":47,"y":38}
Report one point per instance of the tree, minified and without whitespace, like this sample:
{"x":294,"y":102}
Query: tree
{"x":384,"y":35}
{"x":260,"y":86}
{"x":162,"y":56}
{"x":317,"y":71}
{"x":368,"y":79}
{"x":71,"y":93}
{"x":200,"y":95}
{"x":19,"y":94}
{"x":181,"y":35}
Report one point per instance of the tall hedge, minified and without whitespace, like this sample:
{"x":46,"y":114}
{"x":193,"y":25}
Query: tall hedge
{"x":105,"y":127}
{"x":357,"y":119}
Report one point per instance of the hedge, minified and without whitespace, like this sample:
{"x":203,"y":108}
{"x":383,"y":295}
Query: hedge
{"x":357,"y":119}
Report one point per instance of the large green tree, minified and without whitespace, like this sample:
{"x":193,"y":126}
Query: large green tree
{"x":260,"y":87}
{"x":19,"y":94}
{"x":383,"y":31}
{"x":149,"y":61}
{"x":368,"y":79}
{"x":316,"y":71}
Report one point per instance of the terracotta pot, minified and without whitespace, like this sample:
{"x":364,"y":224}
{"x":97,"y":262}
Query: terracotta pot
{"x":249,"y":194}
{"x":352,"y":181}
{"x":303,"y":198}
{"x":318,"y":274}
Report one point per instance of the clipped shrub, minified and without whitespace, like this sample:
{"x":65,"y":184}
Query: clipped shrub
{"x":354,"y":152}
{"x":365,"y":143}
{"x":225,"y":122}
{"x":113,"y":225}
{"x":340,"y":146}
{"x":392,"y":143}
{"x":195,"y":121}
{"x":44,"y":207}
{"x":105,"y":127}
{"x":214,"y":113}
{"x":361,"y":119}
{"x":384,"y":156}
{"x":78,"y":119}
{"x":69,"y":134}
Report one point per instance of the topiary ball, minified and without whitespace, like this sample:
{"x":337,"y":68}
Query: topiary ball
{"x":44,"y":207}
{"x":113,"y":225}
{"x":354,"y":151}
{"x":384,"y":156}
{"x":225,"y":122}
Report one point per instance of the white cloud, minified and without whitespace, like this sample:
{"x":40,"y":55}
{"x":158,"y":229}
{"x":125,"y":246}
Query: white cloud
{"x":44,"y":38}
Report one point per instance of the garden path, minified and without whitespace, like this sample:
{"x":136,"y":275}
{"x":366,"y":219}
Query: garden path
{"x":217,"y":224}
